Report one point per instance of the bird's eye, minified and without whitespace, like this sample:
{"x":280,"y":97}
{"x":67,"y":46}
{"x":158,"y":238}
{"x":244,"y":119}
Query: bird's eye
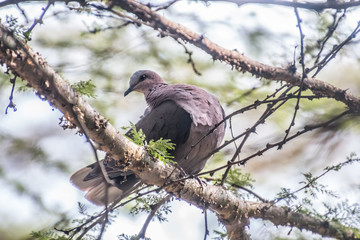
{"x":143,"y":77}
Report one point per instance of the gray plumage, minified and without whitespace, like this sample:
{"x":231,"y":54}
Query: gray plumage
{"x":179,"y":112}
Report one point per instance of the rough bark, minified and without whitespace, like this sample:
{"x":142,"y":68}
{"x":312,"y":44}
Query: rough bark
{"x":231,"y":211}
{"x":237,"y":60}
{"x":315,"y":5}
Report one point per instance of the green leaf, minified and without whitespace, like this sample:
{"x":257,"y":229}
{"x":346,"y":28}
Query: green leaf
{"x":86,"y":88}
{"x":137,"y":136}
{"x":158,"y":149}
{"x":46,"y":235}
{"x":238,"y":178}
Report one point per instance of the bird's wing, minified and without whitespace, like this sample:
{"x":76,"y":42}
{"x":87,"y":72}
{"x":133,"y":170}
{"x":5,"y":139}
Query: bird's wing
{"x":167,"y":121}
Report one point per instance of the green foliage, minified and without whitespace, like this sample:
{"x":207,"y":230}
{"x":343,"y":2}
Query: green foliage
{"x":28,"y":148}
{"x":347,"y":214}
{"x":342,"y":212}
{"x":237,"y":178}
{"x":158,"y":149}
{"x":13,"y":23}
{"x":46,"y":235}
{"x":220,"y":235}
{"x":350,"y":160}
{"x":313,"y":186}
{"x":137,"y":136}
{"x":146,"y":203}
{"x":108,"y":47}
{"x":287,"y":195}
{"x":132,"y":237}
{"x":86,"y":88}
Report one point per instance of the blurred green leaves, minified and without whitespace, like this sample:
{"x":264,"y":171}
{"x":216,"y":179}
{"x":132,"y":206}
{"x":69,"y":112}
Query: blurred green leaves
{"x":159,"y":149}
{"x":86,"y":88}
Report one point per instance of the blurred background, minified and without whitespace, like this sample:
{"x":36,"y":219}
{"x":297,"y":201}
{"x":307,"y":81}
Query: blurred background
{"x":37,"y":157}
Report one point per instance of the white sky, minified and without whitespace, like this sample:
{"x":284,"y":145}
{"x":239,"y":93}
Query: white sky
{"x":185,"y":222}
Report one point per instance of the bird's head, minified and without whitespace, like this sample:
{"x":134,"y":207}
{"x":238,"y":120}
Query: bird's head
{"x":142,"y":81}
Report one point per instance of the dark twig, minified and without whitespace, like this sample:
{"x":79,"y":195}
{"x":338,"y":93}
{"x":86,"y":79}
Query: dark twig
{"x":104,"y":175}
{"x":240,"y":111}
{"x":190,"y":60}
{"x":239,"y":187}
{"x":206,"y":224}
{"x":101,"y":216}
{"x":154,"y":208}
{"x":87,"y":229}
{"x":166,"y":5}
{"x":250,"y":107}
{"x":269,"y":146}
{"x":233,"y":58}
{"x":38,"y":20}
{"x":245,"y":94}
{"x":238,"y":155}
{"x":22,"y":12}
{"x":302,"y":62}
{"x":314,"y":179}
{"x":11,"y":103}
{"x":267,"y":113}
{"x":331,"y":29}
{"x":104,"y":217}
{"x":250,"y":191}
{"x":331,"y":55}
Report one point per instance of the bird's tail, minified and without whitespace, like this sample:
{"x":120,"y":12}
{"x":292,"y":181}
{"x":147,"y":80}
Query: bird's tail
{"x":90,"y":180}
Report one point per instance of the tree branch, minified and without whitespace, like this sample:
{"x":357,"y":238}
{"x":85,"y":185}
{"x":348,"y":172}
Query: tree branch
{"x":237,"y":60}
{"x":231,"y":211}
{"x":30,"y":66}
{"x":317,"y":6}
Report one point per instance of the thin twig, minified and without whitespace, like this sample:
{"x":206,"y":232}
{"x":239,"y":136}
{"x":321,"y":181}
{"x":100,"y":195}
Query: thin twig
{"x":38,"y":20}
{"x":190,"y":60}
{"x":87,"y":229}
{"x":331,"y":29}
{"x":11,"y":103}
{"x":247,"y":108}
{"x":206,"y":224}
{"x":166,"y":5}
{"x":22,"y":12}
{"x":104,"y":174}
{"x":238,"y":98}
{"x":269,"y":146}
{"x":240,"y":111}
{"x":250,"y":191}
{"x":313,"y":180}
{"x":238,"y":155}
{"x":154,"y":209}
{"x":331,"y":55}
{"x":270,"y":109}
{"x":302,"y":62}
{"x":240,"y":187}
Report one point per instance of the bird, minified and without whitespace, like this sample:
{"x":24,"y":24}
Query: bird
{"x":184,"y":114}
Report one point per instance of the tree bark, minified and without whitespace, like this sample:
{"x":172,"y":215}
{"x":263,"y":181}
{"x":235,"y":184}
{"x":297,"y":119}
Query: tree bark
{"x":315,"y":5}
{"x":231,"y":211}
{"x":235,"y":59}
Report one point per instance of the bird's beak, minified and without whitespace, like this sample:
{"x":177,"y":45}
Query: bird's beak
{"x":128,"y":91}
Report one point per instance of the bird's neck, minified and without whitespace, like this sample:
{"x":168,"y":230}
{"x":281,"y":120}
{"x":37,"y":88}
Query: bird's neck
{"x":153,"y":95}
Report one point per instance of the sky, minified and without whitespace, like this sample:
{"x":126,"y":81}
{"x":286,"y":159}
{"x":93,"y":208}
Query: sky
{"x":185,"y":221}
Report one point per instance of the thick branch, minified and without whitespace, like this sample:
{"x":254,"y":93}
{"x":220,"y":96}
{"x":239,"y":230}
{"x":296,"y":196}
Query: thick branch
{"x":30,"y":66}
{"x":234,"y":58}
{"x":317,"y":6}
{"x":232,"y":211}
